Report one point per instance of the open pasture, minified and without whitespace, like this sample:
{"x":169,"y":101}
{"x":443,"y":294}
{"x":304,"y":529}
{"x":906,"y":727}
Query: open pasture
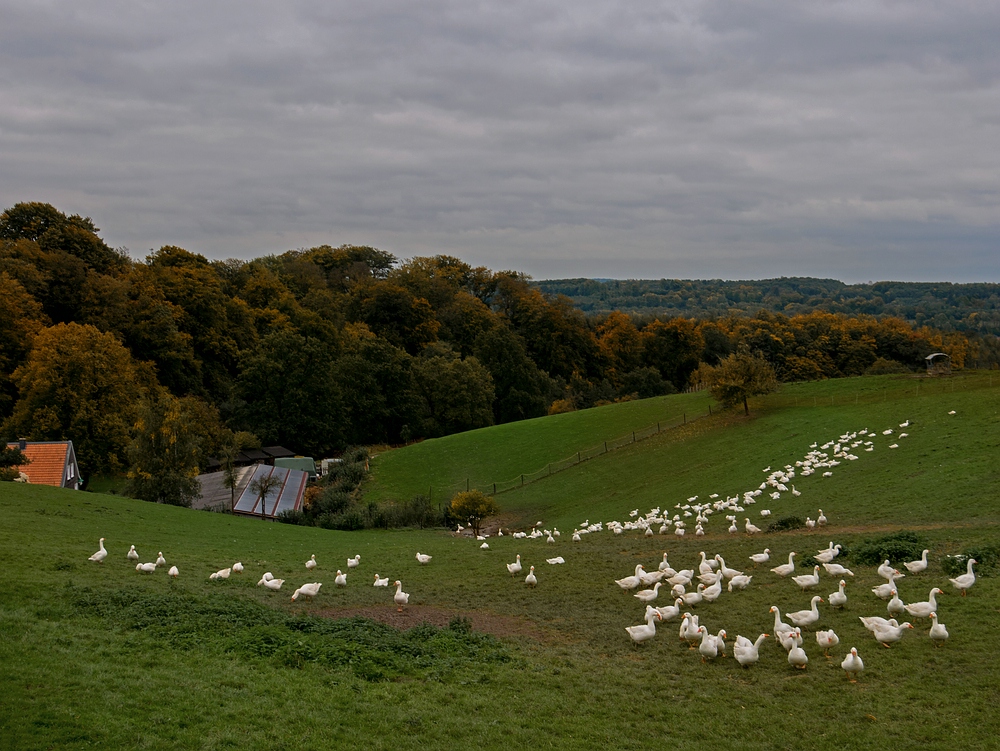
{"x":100,"y":654}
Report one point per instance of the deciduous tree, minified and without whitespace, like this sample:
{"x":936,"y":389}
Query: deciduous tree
{"x":740,"y":376}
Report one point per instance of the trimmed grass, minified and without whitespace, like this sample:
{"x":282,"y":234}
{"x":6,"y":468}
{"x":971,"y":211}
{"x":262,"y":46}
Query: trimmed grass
{"x":99,"y":654}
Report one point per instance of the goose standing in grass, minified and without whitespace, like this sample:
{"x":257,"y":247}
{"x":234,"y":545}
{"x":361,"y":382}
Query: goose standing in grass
{"x":790,"y":639}
{"x":826,"y":556}
{"x":531,"y":580}
{"x":780,"y":626}
{"x":709,"y":646}
{"x":265,"y":578}
{"x":751,"y":528}
{"x":725,"y":570}
{"x":785,"y":568}
{"x":423,"y":560}
{"x":759,"y":558}
{"x":665,"y":566}
{"x":632,"y":582}
{"x":747,"y":652}
{"x":827,"y":640}
{"x":311,"y":563}
{"x":515,"y":567}
{"x":852,"y":665}
{"x":238,"y":567}
{"x":803,"y":618}
{"x":895,"y":606}
{"x":693,"y":598}
{"x":887,"y":572}
{"x":689,"y":630}
{"x":381,"y":582}
{"x":873,"y":622}
{"x":341,"y":580}
{"x":924,"y":609}
{"x":915,"y":567}
{"x":307,"y":590}
{"x":160,"y":560}
{"x":835,"y":569}
{"x":173,"y":573}
{"x":884,"y":591}
{"x":145,"y":568}
{"x":669,"y":612}
{"x":808,"y":581}
{"x":938,"y":633}
{"x":401,"y":598}
{"x":132,"y":555}
{"x":101,"y":554}
{"x":739,"y":582}
{"x":821,"y":520}
{"x":648,"y":595}
{"x":962,"y":582}
{"x":797,"y":658}
{"x":839,"y":598}
{"x":223,"y":574}
{"x":707,"y":566}
{"x":645,"y":632}
{"x":354,"y":562}
{"x":484,"y":546}
{"x":273,"y":584}
{"x":891,"y":634}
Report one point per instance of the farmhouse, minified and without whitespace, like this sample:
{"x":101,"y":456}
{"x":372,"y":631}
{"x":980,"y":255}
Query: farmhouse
{"x":51,"y":463}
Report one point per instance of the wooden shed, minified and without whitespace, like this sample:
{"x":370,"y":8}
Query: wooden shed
{"x":938,"y":363}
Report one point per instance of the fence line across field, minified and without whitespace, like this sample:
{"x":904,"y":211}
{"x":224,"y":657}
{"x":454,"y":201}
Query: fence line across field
{"x":776,"y":399}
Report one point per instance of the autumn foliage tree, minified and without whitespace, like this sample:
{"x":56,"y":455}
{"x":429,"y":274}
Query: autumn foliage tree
{"x":473,"y":507}
{"x":741,"y":376}
{"x":163,"y":453}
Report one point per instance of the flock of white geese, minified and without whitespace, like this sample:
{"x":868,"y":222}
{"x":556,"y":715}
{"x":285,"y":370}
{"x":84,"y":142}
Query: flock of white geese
{"x":713,"y":574}
{"x":267,"y":580}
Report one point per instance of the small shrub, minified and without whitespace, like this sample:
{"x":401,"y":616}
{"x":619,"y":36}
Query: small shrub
{"x":786,"y":523}
{"x":898,"y":547}
{"x":292,"y":516}
{"x":882,"y":366}
{"x":987,"y":557}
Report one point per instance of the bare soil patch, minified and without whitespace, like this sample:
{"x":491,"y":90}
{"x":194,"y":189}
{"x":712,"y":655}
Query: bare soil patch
{"x":412,"y":615}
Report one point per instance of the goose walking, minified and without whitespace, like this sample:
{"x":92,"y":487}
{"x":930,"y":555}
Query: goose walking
{"x":132,"y":555}
{"x":745,"y":651}
{"x":853,"y":665}
{"x":891,"y":634}
{"x":803,"y":618}
{"x":648,"y":595}
{"x":401,"y":598}
{"x":924,"y":609}
{"x":642,"y":633}
{"x":785,"y":568}
{"x":354,"y":562}
{"x":938,"y":633}
{"x":759,"y":558}
{"x":307,"y":590}
{"x":915,"y":567}
{"x":961,"y":583}
{"x":531,"y":580}
{"x":839,"y":598}
{"x":311,"y":563}
{"x":808,"y":581}
{"x":825,"y":556}
{"x":895,"y":606}
{"x":515,"y":567}
{"x":101,"y":554}
{"x":827,"y":640}
{"x":835,"y":569}
{"x":381,"y":582}
{"x":423,"y":559}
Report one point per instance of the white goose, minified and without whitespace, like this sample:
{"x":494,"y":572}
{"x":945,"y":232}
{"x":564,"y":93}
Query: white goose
{"x":707,"y":566}
{"x":915,"y":567}
{"x":891,"y":634}
{"x":273,"y":584}
{"x":835,"y":569}
{"x":808,"y":581}
{"x":401,"y":598}
{"x":797,"y":657}
{"x":307,"y":590}
{"x":839,"y":598}
{"x":132,"y":555}
{"x":645,"y":632}
{"x":895,"y":606}
{"x":381,"y":582}
{"x":648,"y":595}
{"x":160,"y":560}
{"x":341,"y":580}
{"x":101,"y":554}
{"x":665,"y":567}
{"x":515,"y":567}
{"x":712,"y":593}
{"x":884,"y":591}
{"x":689,"y":630}
{"x":853,"y":665}
{"x":726,"y":571}
{"x":827,"y":640}
{"x":709,"y":647}
{"x":631,"y":582}
{"x":924,"y":609}
{"x":238,"y":567}
{"x":746,"y":651}
{"x":790,"y":639}
{"x":739,"y":582}
{"x":964,"y":581}
{"x":887,"y":572}
{"x":938,"y":633}
{"x":803,"y":618}
{"x":354,"y":562}
{"x":423,"y":559}
{"x":145,"y":568}
{"x":779,"y":625}
{"x":173,"y":572}
{"x":693,"y":598}
{"x":785,"y":568}
{"x":759,"y":558}
{"x":669,"y":612}
{"x":531,"y":580}
{"x":223,"y":574}
{"x":826,"y":556}
{"x":874,"y":622}
{"x":311,"y":563}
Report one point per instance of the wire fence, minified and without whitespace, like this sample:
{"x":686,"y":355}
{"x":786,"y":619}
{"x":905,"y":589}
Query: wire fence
{"x":561,"y":465}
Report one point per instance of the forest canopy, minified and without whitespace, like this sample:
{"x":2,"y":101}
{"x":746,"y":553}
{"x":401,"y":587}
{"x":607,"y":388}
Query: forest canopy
{"x":322,"y":348}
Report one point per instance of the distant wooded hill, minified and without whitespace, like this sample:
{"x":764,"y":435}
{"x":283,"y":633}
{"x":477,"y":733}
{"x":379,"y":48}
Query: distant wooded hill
{"x":948,"y":307}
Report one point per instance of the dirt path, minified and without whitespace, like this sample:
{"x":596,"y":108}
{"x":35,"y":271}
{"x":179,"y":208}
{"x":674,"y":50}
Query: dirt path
{"x":412,"y":615}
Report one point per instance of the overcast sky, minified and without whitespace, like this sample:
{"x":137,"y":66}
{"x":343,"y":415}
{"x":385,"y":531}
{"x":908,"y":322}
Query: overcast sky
{"x":736,"y":139}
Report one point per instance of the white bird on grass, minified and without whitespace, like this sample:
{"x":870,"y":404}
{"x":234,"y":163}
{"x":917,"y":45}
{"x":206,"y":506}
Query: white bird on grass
{"x":739,"y":582}
{"x":173,"y":572}
{"x":160,"y":560}
{"x":967,"y":579}
{"x":341,"y":580}
{"x":223,"y":574}
{"x":785,"y":568}
{"x":101,"y":554}
{"x":839,"y":598}
{"x":531,"y":580}
{"x":924,"y":609}
{"x":895,"y":606}
{"x":423,"y":560}
{"x":381,"y":582}
{"x":484,"y":546}
{"x":759,"y":558}
{"x":915,"y":567}
{"x":307,"y":590}
{"x":825,"y":556}
{"x":835,"y":569}
{"x":515,"y":567}
{"x":853,"y":665}
{"x":827,"y":640}
{"x":808,"y":581}
{"x":887,"y":572}
{"x":145,"y":568}
{"x":642,"y":633}
{"x":401,"y":598}
{"x":802,"y":618}
{"x":555,"y":561}
{"x":238,"y":568}
{"x":938,"y":633}
{"x":354,"y":562}
{"x":268,"y":576}
{"x":746,"y":651}
{"x":273,"y":584}
{"x":132,"y":555}
{"x":311,"y":563}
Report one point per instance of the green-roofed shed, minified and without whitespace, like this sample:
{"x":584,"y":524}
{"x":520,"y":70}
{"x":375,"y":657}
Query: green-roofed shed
{"x":303,"y":463}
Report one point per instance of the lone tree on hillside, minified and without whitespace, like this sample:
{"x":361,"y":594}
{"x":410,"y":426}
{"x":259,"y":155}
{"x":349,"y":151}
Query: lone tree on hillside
{"x":740,"y":376}
{"x":263,"y":486}
{"x":473,"y":506}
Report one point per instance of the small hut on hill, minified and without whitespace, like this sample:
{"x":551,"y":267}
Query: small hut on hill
{"x":938,"y":364}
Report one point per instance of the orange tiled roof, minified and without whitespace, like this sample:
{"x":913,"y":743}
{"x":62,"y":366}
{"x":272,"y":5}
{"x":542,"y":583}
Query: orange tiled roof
{"x":48,"y":460}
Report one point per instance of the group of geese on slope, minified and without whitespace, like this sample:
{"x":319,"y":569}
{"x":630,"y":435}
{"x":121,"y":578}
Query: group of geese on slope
{"x":267,"y":580}
{"x":746,"y":652}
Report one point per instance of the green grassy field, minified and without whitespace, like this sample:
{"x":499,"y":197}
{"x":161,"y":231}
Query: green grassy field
{"x":102,"y":655}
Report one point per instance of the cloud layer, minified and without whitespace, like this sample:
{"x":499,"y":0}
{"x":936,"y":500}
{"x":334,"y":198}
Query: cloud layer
{"x":713,"y":138}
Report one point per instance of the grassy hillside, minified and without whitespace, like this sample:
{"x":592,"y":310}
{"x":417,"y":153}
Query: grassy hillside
{"x":101,"y":655}
{"x":503,"y":452}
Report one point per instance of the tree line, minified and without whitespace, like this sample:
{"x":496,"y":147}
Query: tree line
{"x":324,"y":348}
